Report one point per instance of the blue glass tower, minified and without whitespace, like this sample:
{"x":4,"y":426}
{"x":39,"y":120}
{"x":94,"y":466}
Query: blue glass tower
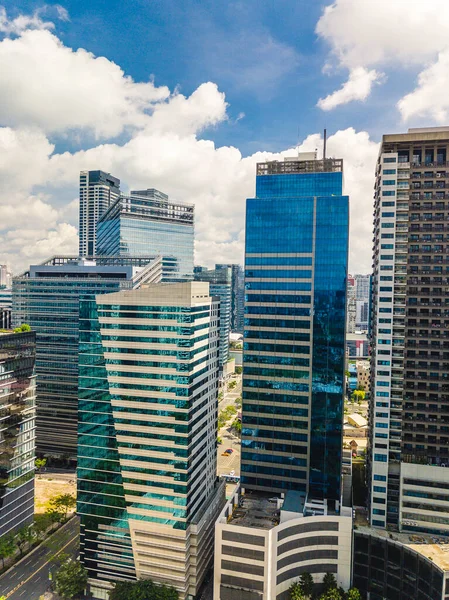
{"x":294,"y":329}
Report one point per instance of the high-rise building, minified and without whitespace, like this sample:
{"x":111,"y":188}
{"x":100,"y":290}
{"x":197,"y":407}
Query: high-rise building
{"x":5,"y":308}
{"x":294,"y":340}
{"x":352,"y":305}
{"x":145,"y":223}
{"x":148,"y":495}
{"x":408,"y":454}
{"x":98,"y":190}
{"x":17,"y":439}
{"x":47,"y":297}
{"x":220,"y":285}
{"x":237,"y":296}
{"x":5,"y":276}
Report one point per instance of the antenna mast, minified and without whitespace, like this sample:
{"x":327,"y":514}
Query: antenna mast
{"x":324,"y":144}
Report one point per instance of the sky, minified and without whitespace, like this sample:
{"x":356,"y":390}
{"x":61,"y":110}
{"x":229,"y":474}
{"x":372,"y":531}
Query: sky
{"x":187,"y":95}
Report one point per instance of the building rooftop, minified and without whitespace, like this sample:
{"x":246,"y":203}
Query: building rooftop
{"x":256,"y":510}
{"x":435,"y":548}
{"x":298,"y":165}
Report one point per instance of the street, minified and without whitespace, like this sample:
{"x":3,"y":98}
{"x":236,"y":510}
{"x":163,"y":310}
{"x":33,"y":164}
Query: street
{"x":226,"y":464}
{"x":29,"y":579}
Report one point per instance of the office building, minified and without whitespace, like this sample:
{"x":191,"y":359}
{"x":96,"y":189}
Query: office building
{"x":237,"y":296}
{"x":47,"y":297}
{"x":146,"y":223}
{"x":5,"y":308}
{"x":352,"y":305}
{"x":294,"y":340}
{"x":220,"y":285}
{"x":98,"y":190}
{"x":5,"y":276}
{"x":148,"y":495}
{"x":409,"y":426}
{"x":17,"y":441}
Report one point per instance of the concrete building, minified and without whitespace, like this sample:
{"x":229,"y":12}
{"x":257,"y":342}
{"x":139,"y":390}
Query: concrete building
{"x":409,"y":415}
{"x":220,"y":285}
{"x":5,"y":277}
{"x":357,"y":345}
{"x":352,"y":305}
{"x":17,"y":426}
{"x":98,"y":190}
{"x":149,"y":497}
{"x":363,"y":375}
{"x":5,"y":308}
{"x":47,"y":297}
{"x":146,"y":223}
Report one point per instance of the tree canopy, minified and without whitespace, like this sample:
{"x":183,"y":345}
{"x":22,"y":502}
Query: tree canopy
{"x":71,"y":579}
{"x":142,"y":590}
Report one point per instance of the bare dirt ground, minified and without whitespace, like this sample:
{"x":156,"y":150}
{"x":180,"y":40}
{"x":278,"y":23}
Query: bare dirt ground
{"x":48,"y":486}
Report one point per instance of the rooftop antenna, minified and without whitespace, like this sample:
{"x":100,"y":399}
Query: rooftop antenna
{"x":324,"y":144}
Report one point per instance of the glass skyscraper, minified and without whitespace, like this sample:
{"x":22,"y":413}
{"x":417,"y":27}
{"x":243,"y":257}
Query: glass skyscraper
{"x":17,"y":429}
{"x":98,"y":190}
{"x":220,"y":285}
{"x":148,"y":495}
{"x":294,"y":331}
{"x":145,"y":223}
{"x":237,"y":296}
{"x":47,"y":298}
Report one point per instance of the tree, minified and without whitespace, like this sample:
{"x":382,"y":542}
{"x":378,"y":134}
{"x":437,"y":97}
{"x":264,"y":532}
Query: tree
{"x":331,"y":594}
{"x":7,"y":548}
{"x":55,"y":514}
{"x":22,"y":328}
{"x":296,"y":593}
{"x":232,"y":385}
{"x":25,"y":535}
{"x":237,"y":426}
{"x":329,"y":582}
{"x":238,"y":370}
{"x":353,"y":594}
{"x":40,"y":463}
{"x":142,"y":590}
{"x":306,"y":583}
{"x":41,"y":524}
{"x":71,"y":579}
{"x":358,"y":396}
{"x":63,"y":502}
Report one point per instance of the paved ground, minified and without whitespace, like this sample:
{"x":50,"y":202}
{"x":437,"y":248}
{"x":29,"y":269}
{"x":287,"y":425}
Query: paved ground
{"x":225,"y":464}
{"x":29,"y":579}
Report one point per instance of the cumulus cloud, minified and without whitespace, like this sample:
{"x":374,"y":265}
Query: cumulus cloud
{"x":358,"y":87}
{"x":384,"y":34}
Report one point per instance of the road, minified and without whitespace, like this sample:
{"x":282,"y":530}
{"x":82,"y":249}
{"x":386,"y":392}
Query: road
{"x":226,"y":464}
{"x":29,"y":579}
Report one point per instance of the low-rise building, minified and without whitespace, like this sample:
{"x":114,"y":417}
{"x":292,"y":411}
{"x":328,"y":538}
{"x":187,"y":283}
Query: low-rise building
{"x":363,"y":375}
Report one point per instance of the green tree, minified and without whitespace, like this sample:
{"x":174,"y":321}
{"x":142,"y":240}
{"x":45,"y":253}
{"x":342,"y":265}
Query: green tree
{"x":296,"y":592}
{"x":329,"y":582}
{"x":40,"y":463}
{"x":306,"y":583}
{"x":25,"y":535}
{"x":331,"y":594}
{"x":22,"y":328}
{"x":55,"y":514}
{"x":237,"y":426}
{"x":358,"y":396}
{"x":71,"y":579}
{"x":353,"y":594}
{"x":142,"y":590}
{"x":7,"y":548}
{"x":41,"y":524}
{"x":232,"y":385}
{"x":239,"y":370}
{"x":64,"y":502}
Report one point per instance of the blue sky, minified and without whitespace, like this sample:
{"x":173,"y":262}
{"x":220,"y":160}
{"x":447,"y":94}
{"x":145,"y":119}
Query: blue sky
{"x":187,"y":96}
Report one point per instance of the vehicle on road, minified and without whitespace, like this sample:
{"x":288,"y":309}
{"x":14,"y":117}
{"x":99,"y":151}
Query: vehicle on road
{"x":229,"y":450}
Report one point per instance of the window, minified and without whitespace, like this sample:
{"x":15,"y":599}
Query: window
{"x":385,"y":288}
{"x":387,"y":246}
{"x":388,"y":182}
{"x":388,"y":193}
{"x":383,"y":383}
{"x":388,"y":203}
{"x":382,"y":425}
{"x":377,"y":523}
{"x":386,"y":278}
{"x":379,"y":511}
{"x":383,"y":394}
{"x":387,"y":225}
{"x":387,"y":236}
{"x":380,"y":457}
{"x":389,"y":172}
{"x":389,"y":159}
{"x":380,"y":478}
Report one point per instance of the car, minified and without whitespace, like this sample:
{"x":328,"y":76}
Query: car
{"x":226,"y":454}
{"x":229,"y":450}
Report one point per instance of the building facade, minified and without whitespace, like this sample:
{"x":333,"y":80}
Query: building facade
{"x":148,"y":495}
{"x":220,"y":285}
{"x":17,"y":425}
{"x":5,"y":277}
{"x":146,"y":223}
{"x":5,"y":308}
{"x":47,"y":297}
{"x":294,"y":339}
{"x":237,"y":296}
{"x":98,"y":190}
{"x":409,"y":428}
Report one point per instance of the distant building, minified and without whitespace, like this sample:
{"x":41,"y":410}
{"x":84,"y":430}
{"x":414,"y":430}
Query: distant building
{"x":5,"y":308}
{"x":237,"y":296}
{"x":363,"y":375}
{"x":351,"y":305}
{"x":5,"y":277}
{"x":47,"y":297}
{"x":220,"y":285}
{"x":146,"y":223}
{"x":98,"y":190}
{"x":17,"y":439}
{"x":148,"y":494}
{"x":357,"y":345}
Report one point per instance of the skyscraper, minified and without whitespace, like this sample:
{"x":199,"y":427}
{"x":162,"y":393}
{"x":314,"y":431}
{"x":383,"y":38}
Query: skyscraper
{"x":148,"y":494}
{"x":220,"y":285}
{"x":296,"y":513}
{"x":294,"y":341}
{"x":5,"y":276}
{"x":98,"y":190}
{"x":17,"y":440}
{"x":47,"y":298}
{"x":145,"y":223}
{"x":237,"y":296}
{"x":409,"y":414}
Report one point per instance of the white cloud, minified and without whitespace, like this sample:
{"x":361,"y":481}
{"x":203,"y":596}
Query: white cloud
{"x":358,"y":87}
{"x":431,"y":97}
{"x":21,"y":23}
{"x":385,"y":34}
